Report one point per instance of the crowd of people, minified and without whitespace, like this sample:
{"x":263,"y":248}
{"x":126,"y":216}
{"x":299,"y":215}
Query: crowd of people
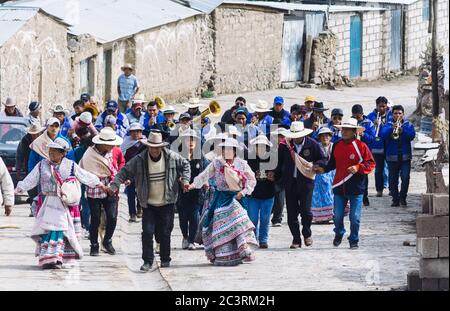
{"x":229,"y":180}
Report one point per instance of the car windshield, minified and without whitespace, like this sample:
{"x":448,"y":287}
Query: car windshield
{"x":11,"y":134}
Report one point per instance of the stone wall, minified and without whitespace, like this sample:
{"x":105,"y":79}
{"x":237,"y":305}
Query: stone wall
{"x":323,"y":60}
{"x":339,"y":24}
{"x":416,"y":33}
{"x":35,"y":64}
{"x":248,"y":46}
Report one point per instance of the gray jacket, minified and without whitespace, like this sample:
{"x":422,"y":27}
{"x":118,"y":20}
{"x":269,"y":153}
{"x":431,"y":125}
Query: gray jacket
{"x":137,"y":170}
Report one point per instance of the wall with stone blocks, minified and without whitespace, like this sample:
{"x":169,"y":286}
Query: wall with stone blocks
{"x":339,"y":24}
{"x":416,"y":33}
{"x":248,"y":45}
{"x":35,"y":64}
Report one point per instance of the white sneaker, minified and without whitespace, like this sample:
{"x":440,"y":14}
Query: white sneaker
{"x":157,"y":248}
{"x":191,"y":246}
{"x":185,"y":244}
{"x":86,"y":234}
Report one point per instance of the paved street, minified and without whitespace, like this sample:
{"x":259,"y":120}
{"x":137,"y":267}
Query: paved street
{"x":381,"y":263}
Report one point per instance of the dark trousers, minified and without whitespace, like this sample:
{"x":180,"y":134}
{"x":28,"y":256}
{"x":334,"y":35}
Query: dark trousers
{"x":379,"y":171}
{"x":188,"y":214}
{"x":366,"y":187}
{"x":278,"y":206}
{"x":298,"y":201}
{"x":157,"y":220}
{"x":109,"y":204}
{"x":130,"y":190}
{"x":402,"y":170}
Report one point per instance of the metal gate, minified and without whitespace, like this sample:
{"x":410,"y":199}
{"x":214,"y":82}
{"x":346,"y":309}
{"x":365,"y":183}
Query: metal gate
{"x":355,"y":46}
{"x":292,"y":59}
{"x":396,"y":40}
{"x":314,"y":24}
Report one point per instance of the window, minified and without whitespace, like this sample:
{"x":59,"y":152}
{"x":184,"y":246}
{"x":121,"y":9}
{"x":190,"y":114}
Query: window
{"x":87,"y":67}
{"x":426,"y":10}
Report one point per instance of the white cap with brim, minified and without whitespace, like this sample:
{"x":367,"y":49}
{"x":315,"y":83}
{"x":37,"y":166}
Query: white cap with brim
{"x":59,"y":143}
{"x":325,"y":130}
{"x":52,"y":121}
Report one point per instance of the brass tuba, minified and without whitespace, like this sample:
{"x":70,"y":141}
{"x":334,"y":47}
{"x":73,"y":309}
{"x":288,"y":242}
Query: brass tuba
{"x":89,"y":107}
{"x":213,"y":109}
{"x":160,"y":102}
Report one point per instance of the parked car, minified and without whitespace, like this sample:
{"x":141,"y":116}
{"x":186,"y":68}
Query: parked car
{"x":12,"y":130}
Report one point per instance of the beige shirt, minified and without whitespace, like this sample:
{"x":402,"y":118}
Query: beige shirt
{"x":157,"y":180}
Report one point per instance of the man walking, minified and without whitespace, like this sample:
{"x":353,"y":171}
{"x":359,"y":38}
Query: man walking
{"x":295,"y":164}
{"x":158,"y":173}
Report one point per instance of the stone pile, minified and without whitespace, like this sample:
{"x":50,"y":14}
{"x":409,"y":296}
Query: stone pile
{"x":323,"y":61}
{"x":432,"y":245}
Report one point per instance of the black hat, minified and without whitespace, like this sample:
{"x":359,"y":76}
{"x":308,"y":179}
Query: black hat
{"x":357,"y":109}
{"x":34,"y":106}
{"x":318,"y":106}
{"x":337,"y":111}
{"x":185,"y":116}
{"x":85,"y":97}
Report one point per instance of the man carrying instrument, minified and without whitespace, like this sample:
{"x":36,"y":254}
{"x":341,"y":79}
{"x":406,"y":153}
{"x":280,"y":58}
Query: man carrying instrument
{"x":169,"y":124}
{"x":398,"y":136}
{"x":317,"y":118}
{"x":380,"y":116}
{"x":153,"y":116}
{"x":193,"y":107}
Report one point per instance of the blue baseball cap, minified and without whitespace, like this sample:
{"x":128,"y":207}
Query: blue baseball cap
{"x":112,"y":105}
{"x":278,"y":100}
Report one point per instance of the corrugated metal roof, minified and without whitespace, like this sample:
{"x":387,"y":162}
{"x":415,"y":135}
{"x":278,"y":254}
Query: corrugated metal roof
{"x":303,"y":7}
{"x":382,"y":1}
{"x":110,"y":20}
{"x":205,"y":6}
{"x":12,"y":19}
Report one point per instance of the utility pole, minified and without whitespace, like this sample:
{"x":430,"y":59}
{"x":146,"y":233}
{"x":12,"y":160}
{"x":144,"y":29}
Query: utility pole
{"x":434,"y":71}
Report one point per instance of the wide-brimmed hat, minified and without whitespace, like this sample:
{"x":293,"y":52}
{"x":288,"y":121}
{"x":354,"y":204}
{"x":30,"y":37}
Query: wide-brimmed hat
{"x":107,"y":136}
{"x":35,"y":128}
{"x":230,"y":142}
{"x":297,"y":130}
{"x":325,"y":130}
{"x":58,"y":108}
{"x":350,"y":123}
{"x":10,"y":102}
{"x":260,"y":106}
{"x":278,"y":131}
{"x":318,"y":106}
{"x":189,"y":133}
{"x":193,"y":102}
{"x":127,"y":66}
{"x":261,"y":139}
{"x":169,"y":109}
{"x":219,"y":136}
{"x":59,"y":143}
{"x":155,"y":140}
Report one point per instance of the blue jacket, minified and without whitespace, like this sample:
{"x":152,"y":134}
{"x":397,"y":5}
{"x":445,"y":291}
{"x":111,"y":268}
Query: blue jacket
{"x":369,"y":133}
{"x":65,"y":127}
{"x":262,"y":127}
{"x":378,"y":145}
{"x":122,"y":124}
{"x":283,"y":117}
{"x":145,"y":121}
{"x":398,"y":149}
{"x":35,"y":157}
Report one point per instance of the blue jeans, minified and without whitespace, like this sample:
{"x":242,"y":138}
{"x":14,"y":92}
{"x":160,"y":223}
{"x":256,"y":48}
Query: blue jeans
{"x":259,"y":212}
{"x":380,"y":171}
{"x":402,"y":170}
{"x":340,"y":201}
{"x":130,"y":190}
{"x":386,"y":175}
{"x":85,"y":211}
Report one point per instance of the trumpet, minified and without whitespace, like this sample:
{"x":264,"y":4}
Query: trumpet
{"x":160,"y":103}
{"x":397,"y":127}
{"x":254,"y":120}
{"x":92,"y":109}
{"x":378,"y":124}
{"x":213,"y":109}
{"x":319,"y":122}
{"x":171,"y":125}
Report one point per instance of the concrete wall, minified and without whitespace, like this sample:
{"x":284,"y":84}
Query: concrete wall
{"x":35,"y":65}
{"x":417,"y":35}
{"x":339,"y":24}
{"x":248,"y":46}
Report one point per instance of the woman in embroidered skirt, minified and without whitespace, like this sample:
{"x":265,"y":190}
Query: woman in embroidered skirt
{"x":227,"y":232}
{"x":322,"y":201}
{"x":57,"y":227}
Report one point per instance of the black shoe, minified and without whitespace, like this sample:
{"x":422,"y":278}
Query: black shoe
{"x":49,"y":266}
{"x":263,"y":245}
{"x":395,"y":204}
{"x":354,"y":245}
{"x":403,"y":203}
{"x":95,"y":250}
{"x":337,"y":241}
{"x":109,"y":248}
{"x":366,"y":202}
{"x":146,"y":266}
{"x":165,"y":264}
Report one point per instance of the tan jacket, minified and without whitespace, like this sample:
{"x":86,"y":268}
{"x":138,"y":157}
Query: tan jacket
{"x":6,"y":186}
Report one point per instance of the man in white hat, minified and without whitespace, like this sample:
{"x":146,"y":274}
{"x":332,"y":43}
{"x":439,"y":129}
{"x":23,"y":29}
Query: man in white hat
{"x":127,"y":87}
{"x":60,"y":113}
{"x":193,"y":107}
{"x":352,"y":161}
{"x":159,"y":174}
{"x":259,"y":120}
{"x":99,"y":160}
{"x":296,"y":157}
{"x":10,"y":109}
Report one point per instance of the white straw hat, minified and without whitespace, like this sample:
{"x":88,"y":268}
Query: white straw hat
{"x":107,"y":136}
{"x":350,"y":123}
{"x":261,"y":139}
{"x":193,"y":103}
{"x":260,"y":106}
{"x":155,"y":140}
{"x":297,"y":130}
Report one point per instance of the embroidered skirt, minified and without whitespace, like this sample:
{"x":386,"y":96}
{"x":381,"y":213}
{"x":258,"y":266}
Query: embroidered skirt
{"x":322,"y":204}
